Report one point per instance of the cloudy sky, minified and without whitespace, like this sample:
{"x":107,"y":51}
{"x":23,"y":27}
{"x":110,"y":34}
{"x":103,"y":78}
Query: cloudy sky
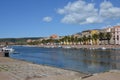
{"x":42,"y":18}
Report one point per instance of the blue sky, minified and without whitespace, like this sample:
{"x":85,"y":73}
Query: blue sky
{"x":42,"y":18}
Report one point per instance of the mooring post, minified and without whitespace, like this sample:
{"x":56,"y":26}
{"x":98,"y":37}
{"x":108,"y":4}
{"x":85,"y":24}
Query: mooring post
{"x":6,"y":54}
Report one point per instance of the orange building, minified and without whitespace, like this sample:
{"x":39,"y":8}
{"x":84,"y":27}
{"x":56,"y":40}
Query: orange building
{"x":54,"y":36}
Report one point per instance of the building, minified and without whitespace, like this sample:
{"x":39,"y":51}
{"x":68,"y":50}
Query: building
{"x":54,"y":36}
{"x":29,"y":40}
{"x":86,"y":33}
{"x":115,"y":35}
{"x":89,"y":35}
{"x":104,"y":38}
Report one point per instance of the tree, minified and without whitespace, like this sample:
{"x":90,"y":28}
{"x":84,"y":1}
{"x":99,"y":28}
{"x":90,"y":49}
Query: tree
{"x":84,"y":39}
{"x":108,"y":36}
{"x":72,"y":39}
{"x":89,"y":38}
{"x":66,"y":39}
{"x":80,"y":40}
{"x":76,"y":40}
{"x":61,"y":41}
{"x":95,"y":37}
{"x":44,"y":41}
{"x":101,"y":36}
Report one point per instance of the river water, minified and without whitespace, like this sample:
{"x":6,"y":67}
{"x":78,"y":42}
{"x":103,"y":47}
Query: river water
{"x":81,"y":60}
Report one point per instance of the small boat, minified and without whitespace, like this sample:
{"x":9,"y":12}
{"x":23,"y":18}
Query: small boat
{"x":7,"y":49}
{"x":67,"y":47}
{"x":103,"y":48}
{"x":59,"y":46}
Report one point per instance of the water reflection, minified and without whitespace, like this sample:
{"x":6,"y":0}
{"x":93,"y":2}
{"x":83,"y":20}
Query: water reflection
{"x":83,"y":60}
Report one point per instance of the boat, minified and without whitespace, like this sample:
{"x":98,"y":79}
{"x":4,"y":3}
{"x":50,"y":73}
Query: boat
{"x":59,"y":46}
{"x":67,"y":47}
{"x":103,"y":48}
{"x":7,"y":49}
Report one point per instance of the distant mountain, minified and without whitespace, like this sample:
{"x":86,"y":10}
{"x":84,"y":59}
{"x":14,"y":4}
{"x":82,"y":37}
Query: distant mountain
{"x":14,"y":40}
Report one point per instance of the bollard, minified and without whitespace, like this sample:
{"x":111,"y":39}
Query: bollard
{"x":6,"y":54}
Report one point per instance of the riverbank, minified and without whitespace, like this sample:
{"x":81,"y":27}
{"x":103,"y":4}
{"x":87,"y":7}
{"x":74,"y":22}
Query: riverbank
{"x":78,"y":46}
{"x":111,"y":75}
{"x":98,"y":46}
{"x":11,"y":69}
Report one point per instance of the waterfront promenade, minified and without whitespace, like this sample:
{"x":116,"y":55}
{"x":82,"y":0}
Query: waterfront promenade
{"x":81,"y":46}
{"x":11,"y":69}
{"x":111,"y":75}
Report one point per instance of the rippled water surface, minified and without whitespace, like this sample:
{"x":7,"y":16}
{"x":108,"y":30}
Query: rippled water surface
{"x":82,"y":60}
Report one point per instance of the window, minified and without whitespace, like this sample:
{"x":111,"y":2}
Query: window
{"x":114,"y":38}
{"x":117,"y":37}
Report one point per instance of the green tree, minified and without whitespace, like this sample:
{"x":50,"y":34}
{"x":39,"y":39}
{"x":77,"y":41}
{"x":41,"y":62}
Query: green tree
{"x":72,"y":39}
{"x":76,"y":40}
{"x":95,"y":37}
{"x":44,"y":41}
{"x":89,"y":38}
{"x":79,"y":40}
{"x":108,"y":36}
{"x":84,"y":39}
{"x":101,"y":36}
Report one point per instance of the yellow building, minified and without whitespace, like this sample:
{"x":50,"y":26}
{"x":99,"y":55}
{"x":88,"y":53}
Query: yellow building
{"x":89,"y":35}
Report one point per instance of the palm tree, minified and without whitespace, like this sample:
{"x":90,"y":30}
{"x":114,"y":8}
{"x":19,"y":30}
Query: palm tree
{"x":84,"y":39}
{"x":65,"y":39}
{"x":69,"y":39}
{"x":61,"y":41}
{"x":108,"y":36}
{"x":89,"y":38}
{"x":80,"y":40}
{"x":101,"y":36}
{"x":72,"y":39}
{"x":95,"y":37}
{"x":76,"y":40}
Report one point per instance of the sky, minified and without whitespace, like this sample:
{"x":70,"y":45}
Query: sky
{"x":42,"y":18}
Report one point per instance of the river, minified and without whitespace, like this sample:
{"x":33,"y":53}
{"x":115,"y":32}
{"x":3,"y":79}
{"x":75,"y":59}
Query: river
{"x":81,"y":60}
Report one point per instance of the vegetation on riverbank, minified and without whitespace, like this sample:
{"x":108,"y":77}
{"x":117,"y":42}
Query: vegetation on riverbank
{"x":94,"y":39}
{"x":17,"y":41}
{"x":74,"y":40}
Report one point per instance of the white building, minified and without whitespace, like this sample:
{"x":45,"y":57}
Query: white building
{"x":115,"y":35}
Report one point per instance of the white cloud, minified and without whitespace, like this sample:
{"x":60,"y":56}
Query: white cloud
{"x":47,"y":19}
{"x":107,"y":10}
{"x":80,"y":12}
{"x":106,"y":5}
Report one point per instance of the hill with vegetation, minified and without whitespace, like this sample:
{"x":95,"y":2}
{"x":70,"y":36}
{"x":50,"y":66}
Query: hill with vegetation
{"x":17,"y":40}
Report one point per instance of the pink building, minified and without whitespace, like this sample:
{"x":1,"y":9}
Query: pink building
{"x":116,"y":35}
